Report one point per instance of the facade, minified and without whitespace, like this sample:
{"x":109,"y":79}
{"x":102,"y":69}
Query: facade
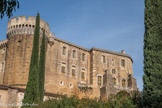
{"x":70,"y":69}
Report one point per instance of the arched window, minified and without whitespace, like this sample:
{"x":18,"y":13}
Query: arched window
{"x":123,"y":82}
{"x":113,"y":71}
{"x":114,"y":81}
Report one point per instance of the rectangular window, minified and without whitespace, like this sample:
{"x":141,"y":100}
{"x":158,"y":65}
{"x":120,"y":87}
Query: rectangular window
{"x":123,"y":63}
{"x":83,"y":75}
{"x":83,"y":57}
{"x":63,"y":69}
{"x":103,"y":59}
{"x":73,"y":73}
{"x":99,"y":81}
{"x":64,"y":50}
{"x":74,"y":54}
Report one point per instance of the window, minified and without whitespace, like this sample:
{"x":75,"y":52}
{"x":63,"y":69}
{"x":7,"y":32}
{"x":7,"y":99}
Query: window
{"x":113,"y":61}
{"x":83,"y":57}
{"x":73,"y":71}
{"x":123,"y":82}
{"x":113,"y":71}
{"x":61,"y":83}
{"x":64,"y":50}
{"x":71,"y":85}
{"x":63,"y":68}
{"x":83,"y":74}
{"x":74,"y":54}
{"x":114,"y":81}
{"x":99,"y":81}
{"x":103,"y":59}
{"x":123,"y":63}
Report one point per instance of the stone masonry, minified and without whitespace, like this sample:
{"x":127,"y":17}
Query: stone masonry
{"x":70,"y":69}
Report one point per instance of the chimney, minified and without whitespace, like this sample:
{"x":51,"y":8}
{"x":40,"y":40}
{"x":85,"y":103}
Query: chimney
{"x":122,"y":51}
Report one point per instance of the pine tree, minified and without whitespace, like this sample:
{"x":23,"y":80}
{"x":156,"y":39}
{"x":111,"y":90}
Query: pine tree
{"x":152,"y":92}
{"x":42,"y":67}
{"x":32,"y":89}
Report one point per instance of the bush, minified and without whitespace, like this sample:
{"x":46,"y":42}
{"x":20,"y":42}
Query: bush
{"x":120,"y":100}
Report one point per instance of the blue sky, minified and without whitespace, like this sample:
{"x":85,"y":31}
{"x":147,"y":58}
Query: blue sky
{"x":108,"y":24}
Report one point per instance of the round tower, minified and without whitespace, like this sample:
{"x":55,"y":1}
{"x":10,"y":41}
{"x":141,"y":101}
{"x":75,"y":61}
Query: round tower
{"x":20,"y":33}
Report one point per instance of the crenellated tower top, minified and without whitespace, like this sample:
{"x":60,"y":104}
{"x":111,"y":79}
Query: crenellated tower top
{"x":23,"y":25}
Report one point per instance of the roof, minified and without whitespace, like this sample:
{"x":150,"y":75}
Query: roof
{"x":3,"y":43}
{"x":93,"y":48}
{"x":66,"y":42}
{"x":111,"y":52}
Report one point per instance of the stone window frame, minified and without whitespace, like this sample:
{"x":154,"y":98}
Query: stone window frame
{"x":123,"y":62}
{"x":71,"y":85}
{"x":123,"y":82}
{"x":113,"y":61}
{"x":99,"y":75}
{"x":66,"y":50}
{"x":61,"y":83}
{"x":83,"y":58}
{"x":103,"y":59}
{"x":114,"y":81}
{"x":83,"y":70}
{"x":73,"y":67}
{"x":113,"y":71}
{"x":3,"y":66}
{"x":73,"y":53}
{"x":65,"y":65}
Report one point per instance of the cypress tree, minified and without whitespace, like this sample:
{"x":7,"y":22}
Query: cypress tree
{"x":32,"y":89}
{"x":42,"y":67}
{"x":152,"y":89}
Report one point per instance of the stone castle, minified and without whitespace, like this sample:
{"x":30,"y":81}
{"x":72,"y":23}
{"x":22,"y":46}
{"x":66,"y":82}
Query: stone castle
{"x":70,"y":69}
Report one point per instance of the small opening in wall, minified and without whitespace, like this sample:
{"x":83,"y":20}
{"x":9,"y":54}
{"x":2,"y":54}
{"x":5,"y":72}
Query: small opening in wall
{"x":61,"y":83}
{"x":33,"y":26}
{"x":16,"y":25}
{"x":71,"y":85}
{"x":29,"y":25}
{"x":26,"y":25}
{"x":20,"y":25}
{"x":19,"y":40}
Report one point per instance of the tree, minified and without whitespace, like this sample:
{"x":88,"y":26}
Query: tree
{"x":7,"y":7}
{"x":42,"y":67}
{"x":152,"y":91}
{"x":32,"y":89}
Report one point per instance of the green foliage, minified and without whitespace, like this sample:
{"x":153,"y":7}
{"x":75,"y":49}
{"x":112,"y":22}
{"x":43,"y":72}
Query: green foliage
{"x":120,"y":100}
{"x":7,"y":7}
{"x":152,"y":89}
{"x":42,"y":67}
{"x":32,"y":89}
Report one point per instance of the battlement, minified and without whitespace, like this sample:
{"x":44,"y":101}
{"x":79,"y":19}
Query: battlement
{"x":23,"y":25}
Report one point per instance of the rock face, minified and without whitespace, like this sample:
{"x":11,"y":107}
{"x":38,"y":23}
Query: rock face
{"x":70,"y":69}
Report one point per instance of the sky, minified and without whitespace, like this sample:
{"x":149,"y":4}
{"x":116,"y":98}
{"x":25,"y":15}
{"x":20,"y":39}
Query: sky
{"x":107,"y":24}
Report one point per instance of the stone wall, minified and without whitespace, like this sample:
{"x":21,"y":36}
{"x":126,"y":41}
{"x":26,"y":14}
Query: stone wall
{"x":63,"y":59}
{"x":3,"y":46}
{"x":65,"y":82}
